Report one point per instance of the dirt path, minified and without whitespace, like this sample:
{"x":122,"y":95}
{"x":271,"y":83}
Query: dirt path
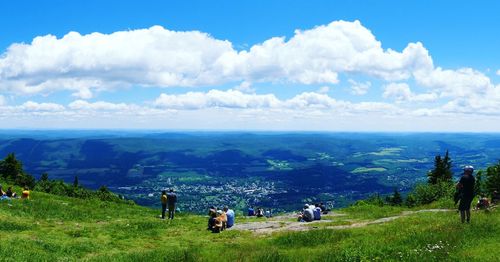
{"x":284,"y":223}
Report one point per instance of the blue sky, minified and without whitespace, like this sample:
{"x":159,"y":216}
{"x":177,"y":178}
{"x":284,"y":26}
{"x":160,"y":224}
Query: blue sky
{"x":449,"y":73}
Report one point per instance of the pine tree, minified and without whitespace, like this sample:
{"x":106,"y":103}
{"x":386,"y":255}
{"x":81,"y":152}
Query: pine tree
{"x":44,"y":177}
{"x":396,"y":198}
{"x":442,"y":170}
{"x":11,"y":169}
{"x":492,"y":181}
{"x":75,"y":182}
{"x":478,"y":185}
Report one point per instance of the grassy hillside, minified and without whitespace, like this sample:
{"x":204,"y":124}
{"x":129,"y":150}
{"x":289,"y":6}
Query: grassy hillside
{"x":53,"y":228}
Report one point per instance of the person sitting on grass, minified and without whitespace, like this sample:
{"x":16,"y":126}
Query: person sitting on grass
{"x":212,"y":209}
{"x":251,"y":212}
{"x":3,"y":195}
{"x":212,"y":215}
{"x":323,"y":208}
{"x":260,"y":212}
{"x":11,"y":193}
{"x":223,"y":218}
{"x":218,"y":222}
{"x":230,"y":216}
{"x":495,"y":198}
{"x":26,"y":193}
{"x":317,"y":212}
{"x":482,"y":203}
{"x":268,"y":213}
{"x":306,"y":215}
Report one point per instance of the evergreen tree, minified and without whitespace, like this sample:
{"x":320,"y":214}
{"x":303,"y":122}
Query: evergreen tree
{"x":44,"y":177}
{"x":410,"y":200}
{"x":442,"y":170}
{"x":396,"y":198}
{"x":75,"y":182}
{"x":492,"y":181}
{"x":11,"y":169}
{"x":478,"y":185}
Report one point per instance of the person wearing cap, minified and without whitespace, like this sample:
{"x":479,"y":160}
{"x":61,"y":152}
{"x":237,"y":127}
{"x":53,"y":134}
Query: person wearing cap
{"x":466,"y":187}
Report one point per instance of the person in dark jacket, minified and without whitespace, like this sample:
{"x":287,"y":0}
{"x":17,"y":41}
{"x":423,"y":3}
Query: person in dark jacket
{"x":466,"y":187}
{"x":171,"y":201}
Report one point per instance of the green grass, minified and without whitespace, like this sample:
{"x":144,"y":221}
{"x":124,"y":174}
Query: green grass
{"x":54,"y":228}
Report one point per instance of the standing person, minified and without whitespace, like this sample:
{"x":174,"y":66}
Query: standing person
{"x":163,"y":203}
{"x":230,"y":216}
{"x":466,"y":187}
{"x":171,"y":200}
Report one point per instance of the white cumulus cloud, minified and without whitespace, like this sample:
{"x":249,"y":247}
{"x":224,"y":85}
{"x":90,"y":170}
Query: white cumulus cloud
{"x":216,"y":98}
{"x":401,"y":93}
{"x":34,"y":106}
{"x":160,"y":57}
{"x":455,"y":83}
{"x":359,"y":88}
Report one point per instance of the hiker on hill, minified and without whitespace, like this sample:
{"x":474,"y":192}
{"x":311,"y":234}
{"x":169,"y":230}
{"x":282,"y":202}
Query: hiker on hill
{"x":230,"y":217}
{"x":163,"y":199}
{"x":466,"y":187}
{"x":171,"y":201}
{"x":306,"y":215}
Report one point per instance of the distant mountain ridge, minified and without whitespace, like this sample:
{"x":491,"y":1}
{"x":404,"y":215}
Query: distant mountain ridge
{"x":281,"y":169}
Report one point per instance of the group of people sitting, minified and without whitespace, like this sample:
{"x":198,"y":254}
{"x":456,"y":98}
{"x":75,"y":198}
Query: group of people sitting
{"x":259,"y":212}
{"x":312,"y":212}
{"x":484,"y":203}
{"x":9,"y":194}
{"x":220,"y":220}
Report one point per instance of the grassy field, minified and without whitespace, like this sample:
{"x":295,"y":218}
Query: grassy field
{"x":53,"y":228}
